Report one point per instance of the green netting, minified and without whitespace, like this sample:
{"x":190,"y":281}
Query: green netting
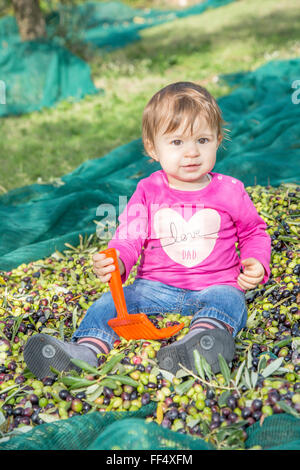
{"x":278,"y":432}
{"x":263,"y":116}
{"x":136,"y":434}
{"x":130,"y":431}
{"x":96,"y":431}
{"x":264,"y":149}
{"x":103,"y":24}
{"x":110,"y":25}
{"x":77,"y":432}
{"x":41,"y":73}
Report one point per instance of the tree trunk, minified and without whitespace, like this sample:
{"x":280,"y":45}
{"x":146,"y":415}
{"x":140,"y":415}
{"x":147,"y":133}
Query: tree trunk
{"x":30,"y":19}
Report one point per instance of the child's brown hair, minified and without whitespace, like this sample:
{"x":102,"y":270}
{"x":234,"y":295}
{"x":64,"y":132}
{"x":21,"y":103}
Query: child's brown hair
{"x":171,"y":105}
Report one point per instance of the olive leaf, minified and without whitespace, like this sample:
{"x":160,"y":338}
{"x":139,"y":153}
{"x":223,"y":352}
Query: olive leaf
{"x":2,"y":418}
{"x":249,"y":359}
{"x":180,"y":374}
{"x":2,"y":335}
{"x":184,"y":387}
{"x":108,"y":383}
{"x":155,"y":370}
{"x":262,"y":363}
{"x":12,"y":394}
{"x":76,"y":382}
{"x":50,"y":331}
{"x":85,"y":366}
{"x":91,"y":276}
{"x":47,"y":313}
{"x":124,"y":379}
{"x":204,"y":428}
{"x":234,"y":440}
{"x":247,"y":378}
{"x":109,"y":365}
{"x":16,"y":326}
{"x":91,"y":389}
{"x":253,"y":319}
{"x":206,"y":367}
{"x":288,"y":409}
{"x":272,"y":367}
{"x":48,"y":418}
{"x":254,"y":377}
{"x":225,"y":371}
{"x":239,"y":373}
{"x":122,"y":369}
{"x":73,"y":275}
{"x":58,"y":255}
{"x":28,"y":374}
{"x":283,"y":342}
{"x":270,"y":289}
{"x":168,"y":375}
{"x":55,"y":371}
{"x":282,"y":370}
{"x":226,"y":432}
{"x":95,"y":394}
{"x":202,"y":366}
{"x":191,"y":421}
{"x":198,"y":364}
{"x":223,"y":398}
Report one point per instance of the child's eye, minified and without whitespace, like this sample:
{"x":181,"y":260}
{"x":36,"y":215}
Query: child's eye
{"x":176,"y":142}
{"x":202,"y":139}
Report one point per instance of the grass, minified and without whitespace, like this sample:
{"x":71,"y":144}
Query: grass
{"x":240,"y":36}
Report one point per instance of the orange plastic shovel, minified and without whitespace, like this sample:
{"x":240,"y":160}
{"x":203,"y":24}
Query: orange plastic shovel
{"x":133,"y":325}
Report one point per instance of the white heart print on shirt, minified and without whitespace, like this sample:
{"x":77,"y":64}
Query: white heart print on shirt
{"x":184,"y":241}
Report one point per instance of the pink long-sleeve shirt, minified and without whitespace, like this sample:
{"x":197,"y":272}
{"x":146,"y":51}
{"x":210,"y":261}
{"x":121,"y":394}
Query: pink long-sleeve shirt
{"x":189,"y":239}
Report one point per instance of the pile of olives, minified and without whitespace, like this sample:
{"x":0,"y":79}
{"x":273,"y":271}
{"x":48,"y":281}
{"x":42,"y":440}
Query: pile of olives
{"x":52,"y":295}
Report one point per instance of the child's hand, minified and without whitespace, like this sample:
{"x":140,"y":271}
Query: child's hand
{"x":103,"y":266}
{"x":253,"y":274}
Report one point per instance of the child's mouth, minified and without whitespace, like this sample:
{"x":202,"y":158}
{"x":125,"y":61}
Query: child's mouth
{"x":191,"y":167}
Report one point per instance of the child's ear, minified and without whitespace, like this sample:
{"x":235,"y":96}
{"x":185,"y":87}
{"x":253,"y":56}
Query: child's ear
{"x":151,"y":150}
{"x":219,"y":140}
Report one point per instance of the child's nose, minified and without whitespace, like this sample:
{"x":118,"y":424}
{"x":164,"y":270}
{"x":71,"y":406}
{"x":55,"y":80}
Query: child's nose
{"x":192,"y":151}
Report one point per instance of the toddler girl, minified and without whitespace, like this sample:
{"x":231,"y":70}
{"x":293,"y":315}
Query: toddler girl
{"x":186,"y":222}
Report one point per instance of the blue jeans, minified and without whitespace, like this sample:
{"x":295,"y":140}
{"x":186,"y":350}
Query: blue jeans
{"x":223,"y":302}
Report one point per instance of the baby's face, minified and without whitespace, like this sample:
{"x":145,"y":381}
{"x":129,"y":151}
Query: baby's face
{"x":186,"y":159}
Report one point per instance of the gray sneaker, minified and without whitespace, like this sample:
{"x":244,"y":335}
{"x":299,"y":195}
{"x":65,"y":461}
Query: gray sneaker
{"x":42,"y":351}
{"x":208,"y":343}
